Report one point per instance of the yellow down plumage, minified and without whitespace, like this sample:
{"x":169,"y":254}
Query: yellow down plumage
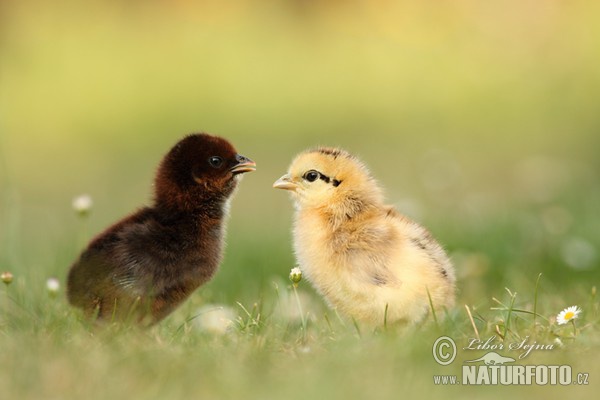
{"x":361,"y":255}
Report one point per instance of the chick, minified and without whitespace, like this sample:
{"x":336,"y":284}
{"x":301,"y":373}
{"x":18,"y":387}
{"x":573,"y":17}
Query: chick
{"x":145,"y":265}
{"x":370,"y":262}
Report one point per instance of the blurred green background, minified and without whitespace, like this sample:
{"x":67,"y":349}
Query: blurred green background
{"x":481,"y":119}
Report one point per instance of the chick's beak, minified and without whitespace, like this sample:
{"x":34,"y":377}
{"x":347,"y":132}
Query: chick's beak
{"x":286,"y":183}
{"x":244,"y":165}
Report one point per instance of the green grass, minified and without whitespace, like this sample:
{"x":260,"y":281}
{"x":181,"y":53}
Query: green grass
{"x":48,"y":352}
{"x":480,"y":120}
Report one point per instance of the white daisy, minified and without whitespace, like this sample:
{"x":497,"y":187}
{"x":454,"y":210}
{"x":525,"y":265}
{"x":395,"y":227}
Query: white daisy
{"x":82,"y":204}
{"x":568,"y":314}
{"x":53,"y":286}
{"x":215,"y":319}
{"x":295,"y":275}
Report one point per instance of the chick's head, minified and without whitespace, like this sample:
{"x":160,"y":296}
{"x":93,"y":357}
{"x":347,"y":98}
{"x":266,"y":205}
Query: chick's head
{"x":329,"y":178}
{"x":199,"y":166}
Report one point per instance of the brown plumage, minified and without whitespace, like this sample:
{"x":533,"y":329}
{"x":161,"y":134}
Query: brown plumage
{"x":147,"y":264}
{"x":369,"y":261}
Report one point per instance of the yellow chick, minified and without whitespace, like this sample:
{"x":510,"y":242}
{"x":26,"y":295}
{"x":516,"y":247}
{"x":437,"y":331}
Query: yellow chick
{"x":363,"y":256}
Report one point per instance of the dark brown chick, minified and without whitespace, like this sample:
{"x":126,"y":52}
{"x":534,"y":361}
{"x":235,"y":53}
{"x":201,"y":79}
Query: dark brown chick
{"x":147,"y":264}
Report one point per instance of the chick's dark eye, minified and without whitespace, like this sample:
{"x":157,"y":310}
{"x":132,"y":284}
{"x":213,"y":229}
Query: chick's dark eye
{"x":215,"y":161}
{"x":311,"y":176}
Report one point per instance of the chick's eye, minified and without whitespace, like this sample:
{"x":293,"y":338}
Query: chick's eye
{"x":311,"y":176}
{"x":215,"y":161}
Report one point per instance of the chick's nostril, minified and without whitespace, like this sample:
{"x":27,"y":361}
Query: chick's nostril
{"x":240,"y":158}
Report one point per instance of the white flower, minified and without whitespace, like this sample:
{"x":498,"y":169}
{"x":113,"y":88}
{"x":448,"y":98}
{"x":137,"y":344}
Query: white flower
{"x":215,"y":319}
{"x":295,"y":275}
{"x":53,"y":286}
{"x":568,"y":314}
{"x":82,"y":204}
{"x":6,"y":277}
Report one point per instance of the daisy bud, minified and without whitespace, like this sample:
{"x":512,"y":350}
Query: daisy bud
{"x":295,"y":275}
{"x":82,"y":204}
{"x":7,"y":278}
{"x":53,"y":286}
